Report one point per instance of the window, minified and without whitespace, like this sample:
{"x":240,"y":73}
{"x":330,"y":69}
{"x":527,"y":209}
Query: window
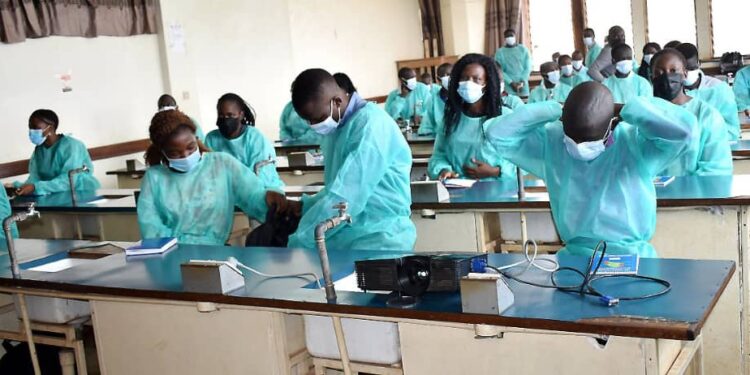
{"x":551,"y":26}
{"x":671,"y":20}
{"x":729,"y":19}
{"x":603,"y":14}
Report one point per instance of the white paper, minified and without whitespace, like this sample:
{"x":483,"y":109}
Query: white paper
{"x":459,"y":183}
{"x":176,"y":38}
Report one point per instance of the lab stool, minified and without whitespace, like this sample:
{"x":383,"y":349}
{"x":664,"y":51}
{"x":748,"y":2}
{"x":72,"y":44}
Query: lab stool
{"x":322,"y":364}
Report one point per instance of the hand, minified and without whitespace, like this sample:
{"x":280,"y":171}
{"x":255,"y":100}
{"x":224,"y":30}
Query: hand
{"x":278,"y":200}
{"x":482,"y":170}
{"x":26,"y":189}
{"x":445,"y":174}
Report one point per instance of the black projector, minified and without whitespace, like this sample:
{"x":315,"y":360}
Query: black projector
{"x":413,"y":275}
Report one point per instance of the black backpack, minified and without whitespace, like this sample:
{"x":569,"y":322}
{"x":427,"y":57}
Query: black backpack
{"x":731,"y":62}
{"x":274,"y":232}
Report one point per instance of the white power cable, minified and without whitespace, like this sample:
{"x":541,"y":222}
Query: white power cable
{"x":233,"y":261}
{"x":532,"y":261}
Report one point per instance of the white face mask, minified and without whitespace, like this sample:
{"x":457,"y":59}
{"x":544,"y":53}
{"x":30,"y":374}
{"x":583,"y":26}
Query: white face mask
{"x":445,"y":81}
{"x":588,"y":41}
{"x":647,"y":58}
{"x":587,"y":151}
{"x":502,"y":86}
{"x":510,"y":41}
{"x":411,"y":83}
{"x":328,"y":125}
{"x":554,"y":77}
{"x":577,"y":64}
{"x":692,"y":77}
{"x":624,"y":66}
{"x":470,"y":91}
{"x":567,"y":70}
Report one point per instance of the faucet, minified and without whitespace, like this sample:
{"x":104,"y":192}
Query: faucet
{"x":71,"y":180}
{"x":521,"y":187}
{"x":7,"y":224}
{"x":320,"y":240}
{"x":263,"y":163}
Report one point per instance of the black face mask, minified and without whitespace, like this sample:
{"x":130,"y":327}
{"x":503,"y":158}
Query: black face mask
{"x":228,"y":126}
{"x":668,"y":85}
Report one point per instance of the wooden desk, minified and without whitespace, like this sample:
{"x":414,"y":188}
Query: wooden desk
{"x":140,"y":308}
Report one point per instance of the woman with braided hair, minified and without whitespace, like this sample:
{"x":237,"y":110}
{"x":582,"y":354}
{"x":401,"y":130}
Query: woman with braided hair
{"x":190,"y":193}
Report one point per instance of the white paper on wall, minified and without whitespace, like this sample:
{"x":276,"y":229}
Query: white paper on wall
{"x":176,"y":38}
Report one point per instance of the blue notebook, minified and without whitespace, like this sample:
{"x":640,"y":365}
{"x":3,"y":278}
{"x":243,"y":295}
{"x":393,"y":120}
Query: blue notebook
{"x":662,"y":181}
{"x":617,"y":264}
{"x":152,"y":246}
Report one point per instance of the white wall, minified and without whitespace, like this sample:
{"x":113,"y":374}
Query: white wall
{"x":463,"y":26}
{"x":116,"y":82}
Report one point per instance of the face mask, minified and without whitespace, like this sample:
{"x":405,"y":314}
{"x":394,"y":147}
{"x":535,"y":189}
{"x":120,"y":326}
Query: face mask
{"x":577,"y":64}
{"x":470,"y":91}
{"x":553,"y":77}
{"x":167,"y":108}
{"x":445,"y":81}
{"x":624,"y":66}
{"x":587,"y":151}
{"x":667,"y":86}
{"x":588,"y":41}
{"x":510,"y":41}
{"x":37,"y":137}
{"x":502,"y":86}
{"x":692,"y":77}
{"x":328,"y":125}
{"x":647,"y":58}
{"x":187,"y":164}
{"x":228,"y":126}
{"x":411,"y":83}
{"x":566,"y":70}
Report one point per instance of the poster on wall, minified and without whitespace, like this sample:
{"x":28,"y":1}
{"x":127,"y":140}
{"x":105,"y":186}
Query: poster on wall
{"x":176,"y":38}
{"x":66,"y":79}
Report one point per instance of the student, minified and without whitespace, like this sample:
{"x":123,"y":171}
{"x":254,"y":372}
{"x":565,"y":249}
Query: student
{"x":551,"y":88}
{"x":648,"y":53}
{"x":581,"y":71}
{"x":54,"y":155}
{"x":426,"y":78}
{"x":237,"y":136}
{"x":367,"y":163}
{"x":473,"y":98}
{"x":594,"y":48}
{"x":167,"y":102}
{"x":293,"y":128}
{"x":625,"y":84}
{"x":672,"y":44}
{"x":568,"y":74}
{"x":711,"y":90}
{"x":515,"y":60}
{"x":602,"y":67}
{"x":5,"y":212}
{"x":709,"y":153}
{"x":598,"y":170}
{"x":345,"y":83}
{"x":410,"y":100}
{"x":509,"y":101}
{"x":433,"y":122}
{"x":190,"y":193}
{"x":742,"y":90}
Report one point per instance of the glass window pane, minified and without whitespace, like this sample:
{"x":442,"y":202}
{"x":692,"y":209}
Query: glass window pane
{"x":551,"y":26}
{"x":603,"y":14}
{"x":729,"y":19}
{"x":671,"y":20}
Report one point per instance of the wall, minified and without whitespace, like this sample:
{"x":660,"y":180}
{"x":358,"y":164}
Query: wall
{"x":116,"y":82}
{"x":463,"y":26}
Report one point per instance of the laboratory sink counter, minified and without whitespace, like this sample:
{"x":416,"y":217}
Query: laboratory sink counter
{"x":120,"y":286}
{"x":741,"y":156}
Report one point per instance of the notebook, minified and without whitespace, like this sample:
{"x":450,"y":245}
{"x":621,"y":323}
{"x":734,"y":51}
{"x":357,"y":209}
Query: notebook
{"x":151,"y":246}
{"x":662,"y":181}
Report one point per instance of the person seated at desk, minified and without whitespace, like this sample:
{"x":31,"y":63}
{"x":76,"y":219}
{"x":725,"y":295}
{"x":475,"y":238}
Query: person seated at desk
{"x":426,"y":79}
{"x":568,"y":74}
{"x":709,"y":153}
{"x":410,"y":101}
{"x":649,"y":50}
{"x":550,"y":88}
{"x":293,"y":128}
{"x":742,"y":90}
{"x":190,"y":193}
{"x":167,"y":102}
{"x":509,"y":101}
{"x":579,"y":70}
{"x":237,"y":136}
{"x":54,"y":156}
{"x":473,"y":98}
{"x":367,"y":165}
{"x":432,"y":124}
{"x":711,"y":90}
{"x":515,"y":61}
{"x":5,"y":212}
{"x":598,"y":170}
{"x":624,"y":84}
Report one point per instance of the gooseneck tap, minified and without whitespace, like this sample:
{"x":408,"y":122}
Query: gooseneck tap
{"x":320,"y":240}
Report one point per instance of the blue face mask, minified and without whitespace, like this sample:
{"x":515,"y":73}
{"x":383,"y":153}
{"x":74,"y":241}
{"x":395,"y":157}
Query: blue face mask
{"x":328,"y":125}
{"x":37,"y":137}
{"x":186,"y":164}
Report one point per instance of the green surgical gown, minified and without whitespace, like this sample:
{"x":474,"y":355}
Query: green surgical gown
{"x":625,"y":89}
{"x":558,"y":93}
{"x":249,"y":148}
{"x":295,"y":128}
{"x":48,"y":167}
{"x":742,"y":88}
{"x":5,"y":211}
{"x":722,"y":99}
{"x":404,"y":107}
{"x":516,"y":65}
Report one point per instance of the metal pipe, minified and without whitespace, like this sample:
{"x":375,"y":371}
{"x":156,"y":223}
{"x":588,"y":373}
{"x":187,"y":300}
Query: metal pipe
{"x":522,"y":196}
{"x":320,"y":240}
{"x":7,"y":225}
{"x":263,"y":163}
{"x":71,"y":182}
